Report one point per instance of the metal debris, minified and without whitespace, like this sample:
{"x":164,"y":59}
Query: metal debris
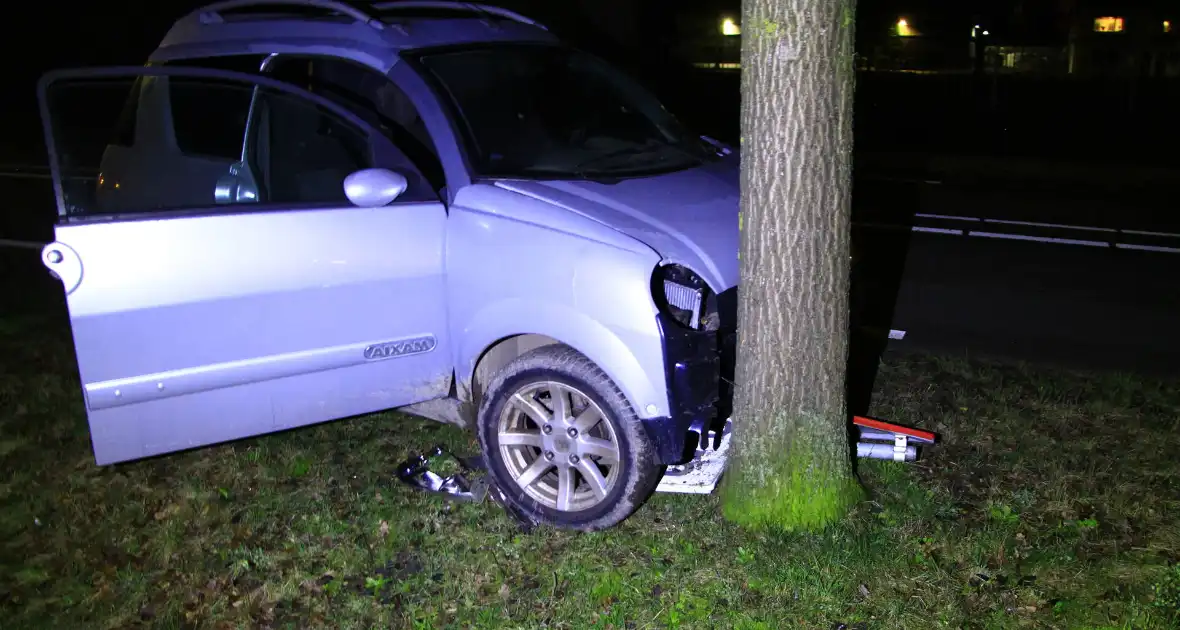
{"x":701,"y":474}
{"x":416,"y":472}
{"x":471,"y":484}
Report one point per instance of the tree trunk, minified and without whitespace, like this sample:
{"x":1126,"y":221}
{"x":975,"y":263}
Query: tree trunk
{"x":791,"y":466}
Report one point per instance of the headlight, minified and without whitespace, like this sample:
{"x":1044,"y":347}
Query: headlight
{"x":685,"y":297}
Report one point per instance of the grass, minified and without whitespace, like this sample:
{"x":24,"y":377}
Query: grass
{"x":1053,"y":502}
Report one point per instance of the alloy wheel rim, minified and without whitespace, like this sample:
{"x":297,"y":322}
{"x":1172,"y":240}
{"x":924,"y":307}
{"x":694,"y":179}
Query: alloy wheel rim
{"x":559,"y":447}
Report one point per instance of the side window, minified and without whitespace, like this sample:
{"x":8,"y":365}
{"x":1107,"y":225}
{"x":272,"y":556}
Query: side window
{"x":300,"y":153}
{"x":212,"y":127}
{"x":209,"y":124}
{"x":197,"y":143}
{"x":373,"y":97}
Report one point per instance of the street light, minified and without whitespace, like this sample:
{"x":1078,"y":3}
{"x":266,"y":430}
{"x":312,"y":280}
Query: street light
{"x":904,"y":29}
{"x":729,"y":28}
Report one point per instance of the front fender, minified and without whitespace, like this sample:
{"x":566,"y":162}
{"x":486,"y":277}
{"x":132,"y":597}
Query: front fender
{"x":634,"y":364}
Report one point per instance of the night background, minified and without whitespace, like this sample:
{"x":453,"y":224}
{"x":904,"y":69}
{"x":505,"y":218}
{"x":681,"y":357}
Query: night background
{"x":1043,"y":82}
{"x":1017,"y":290}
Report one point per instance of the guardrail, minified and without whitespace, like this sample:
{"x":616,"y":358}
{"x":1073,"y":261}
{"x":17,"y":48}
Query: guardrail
{"x":35,"y":172}
{"x":5,"y":242}
{"x":1039,"y":232}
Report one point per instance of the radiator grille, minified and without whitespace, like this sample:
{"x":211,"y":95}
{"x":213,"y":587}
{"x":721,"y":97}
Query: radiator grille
{"x":684,"y":298}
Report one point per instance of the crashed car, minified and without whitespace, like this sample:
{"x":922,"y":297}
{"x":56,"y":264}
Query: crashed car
{"x":304,"y":211}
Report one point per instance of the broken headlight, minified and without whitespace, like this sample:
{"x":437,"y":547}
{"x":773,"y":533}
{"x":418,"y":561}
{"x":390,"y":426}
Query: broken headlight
{"x":685,"y":297}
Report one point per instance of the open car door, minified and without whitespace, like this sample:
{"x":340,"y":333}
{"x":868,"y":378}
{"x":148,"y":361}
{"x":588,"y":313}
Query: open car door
{"x":239,"y":256}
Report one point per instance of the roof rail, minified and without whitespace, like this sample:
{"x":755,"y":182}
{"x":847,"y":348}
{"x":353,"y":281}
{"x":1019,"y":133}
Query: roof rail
{"x":458,"y":6}
{"x":211,"y":14}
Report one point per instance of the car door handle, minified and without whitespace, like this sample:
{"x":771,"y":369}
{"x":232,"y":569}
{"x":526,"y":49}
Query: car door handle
{"x":64,"y":263}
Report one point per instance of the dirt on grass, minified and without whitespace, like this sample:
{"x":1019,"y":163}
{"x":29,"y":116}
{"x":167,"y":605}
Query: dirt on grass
{"x":1053,"y":501}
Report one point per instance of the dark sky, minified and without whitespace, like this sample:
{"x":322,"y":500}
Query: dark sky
{"x":125,"y":30}
{"x":54,"y":34}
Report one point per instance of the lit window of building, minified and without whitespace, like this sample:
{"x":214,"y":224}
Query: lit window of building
{"x":1108,"y":25}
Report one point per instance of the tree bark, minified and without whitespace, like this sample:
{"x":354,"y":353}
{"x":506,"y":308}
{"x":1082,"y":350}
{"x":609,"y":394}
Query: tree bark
{"x":791,"y":466}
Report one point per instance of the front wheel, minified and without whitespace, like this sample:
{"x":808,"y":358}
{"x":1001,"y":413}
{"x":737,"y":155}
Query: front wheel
{"x":563,"y":443}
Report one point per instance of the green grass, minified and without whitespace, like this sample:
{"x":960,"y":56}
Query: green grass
{"x":1053,"y":502}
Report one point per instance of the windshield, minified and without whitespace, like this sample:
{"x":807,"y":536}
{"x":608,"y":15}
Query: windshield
{"x":543,"y":111}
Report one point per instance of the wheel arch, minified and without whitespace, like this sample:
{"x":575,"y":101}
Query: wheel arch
{"x":489,"y":345}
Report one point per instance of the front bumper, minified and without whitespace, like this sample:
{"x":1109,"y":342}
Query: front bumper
{"x":698,"y":393}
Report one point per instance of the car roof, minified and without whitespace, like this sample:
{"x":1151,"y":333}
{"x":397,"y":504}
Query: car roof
{"x":372,"y":33}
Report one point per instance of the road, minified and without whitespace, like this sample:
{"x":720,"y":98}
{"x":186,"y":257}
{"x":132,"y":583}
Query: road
{"x":966,"y":287}
{"x":896,"y":197}
{"x":1079,"y":278}
{"x":1041,"y":302}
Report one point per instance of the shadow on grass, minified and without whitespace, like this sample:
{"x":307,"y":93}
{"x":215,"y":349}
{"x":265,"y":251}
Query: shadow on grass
{"x":880,"y":252}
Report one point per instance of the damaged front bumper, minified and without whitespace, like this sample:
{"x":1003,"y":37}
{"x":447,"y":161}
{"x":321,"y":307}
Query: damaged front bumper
{"x":698,"y":396}
{"x":693,"y":441}
{"x":700,"y":474}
